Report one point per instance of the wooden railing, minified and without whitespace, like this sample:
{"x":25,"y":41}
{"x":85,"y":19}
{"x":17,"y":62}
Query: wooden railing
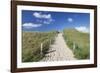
{"x":43,"y":44}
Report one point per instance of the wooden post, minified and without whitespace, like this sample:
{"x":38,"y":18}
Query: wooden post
{"x":41,"y":49}
{"x":73,"y":46}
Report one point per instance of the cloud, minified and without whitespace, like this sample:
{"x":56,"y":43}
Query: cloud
{"x":82,"y":29}
{"x":40,"y":15}
{"x":46,"y":22}
{"x":51,"y":20}
{"x":31,"y":25}
{"x":43,"y":18}
{"x":70,"y":20}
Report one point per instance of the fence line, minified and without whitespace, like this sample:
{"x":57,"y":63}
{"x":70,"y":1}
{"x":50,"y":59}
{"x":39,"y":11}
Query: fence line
{"x":41,"y":49}
{"x":74,"y":46}
{"x":42,"y":44}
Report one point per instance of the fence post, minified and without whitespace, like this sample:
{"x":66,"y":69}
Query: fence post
{"x":73,"y":46}
{"x":41,"y":49}
{"x":50,"y":41}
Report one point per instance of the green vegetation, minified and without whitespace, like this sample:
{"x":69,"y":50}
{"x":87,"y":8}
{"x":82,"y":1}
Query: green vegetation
{"x":31,"y":45}
{"x":81,"y":41}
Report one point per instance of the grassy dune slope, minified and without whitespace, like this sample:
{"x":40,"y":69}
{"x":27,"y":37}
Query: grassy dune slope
{"x":81,"y":41}
{"x":31,"y":45}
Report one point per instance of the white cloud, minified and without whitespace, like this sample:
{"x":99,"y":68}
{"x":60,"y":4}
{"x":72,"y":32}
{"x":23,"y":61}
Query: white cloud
{"x":82,"y":29}
{"x":39,"y":15}
{"x":51,"y":20}
{"x":31,"y":25}
{"x":70,"y":20}
{"x":44,"y":18}
{"x":46,"y":22}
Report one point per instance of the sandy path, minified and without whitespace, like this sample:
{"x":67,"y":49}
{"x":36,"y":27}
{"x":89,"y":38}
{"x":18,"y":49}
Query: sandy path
{"x":59,"y":51}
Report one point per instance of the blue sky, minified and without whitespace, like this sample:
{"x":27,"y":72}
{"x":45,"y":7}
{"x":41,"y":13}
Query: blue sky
{"x":48,"y":21}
